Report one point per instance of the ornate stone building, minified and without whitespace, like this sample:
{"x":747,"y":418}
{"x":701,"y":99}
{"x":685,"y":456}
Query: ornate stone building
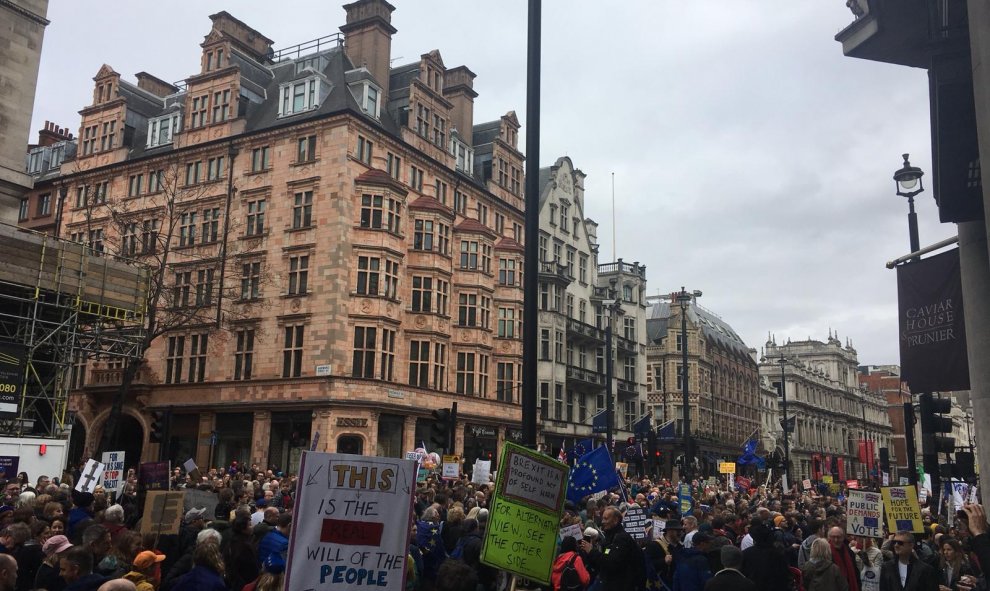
{"x":340,"y":248}
{"x":723,"y":382}
{"x":833,"y":413}
{"x":578,"y":296}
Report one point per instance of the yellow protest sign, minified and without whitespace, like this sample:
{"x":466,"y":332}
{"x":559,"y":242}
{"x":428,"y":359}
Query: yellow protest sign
{"x":525,"y":513}
{"x":827,"y":479}
{"x":903,"y":511}
{"x":726,"y":467}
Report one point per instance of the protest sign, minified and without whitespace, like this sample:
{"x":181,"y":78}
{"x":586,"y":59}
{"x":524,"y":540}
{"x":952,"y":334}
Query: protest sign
{"x":524,"y":513}
{"x":864,"y":514}
{"x":852,"y":484}
{"x":658,"y":526}
{"x":903,"y":511}
{"x":451,"y":467}
{"x":113,"y":473}
{"x":885,"y":481}
{"x":634,"y":522}
{"x":410,"y":455}
{"x":481,"y":472}
{"x":162,"y":513}
{"x":201,"y":499}
{"x":351,"y":522}
{"x":743,"y":482}
{"x":622,"y":468}
{"x":806,"y":484}
{"x":90,"y":476}
{"x":684,"y":498}
{"x":827,"y":479}
{"x":572,"y":531}
{"x":8,"y":466}
{"x":903,"y":481}
{"x":153,"y":476}
{"x":726,"y":467}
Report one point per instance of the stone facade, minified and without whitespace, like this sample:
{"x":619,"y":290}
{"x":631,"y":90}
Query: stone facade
{"x":723,"y":382}
{"x":331,"y":255}
{"x":21,"y":38}
{"x":832,"y":411}
{"x":575,"y":292}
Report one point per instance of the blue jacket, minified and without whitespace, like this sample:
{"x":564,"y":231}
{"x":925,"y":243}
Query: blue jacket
{"x":200,"y":578}
{"x":274,"y":542}
{"x":76,"y":515}
{"x":692,"y":570}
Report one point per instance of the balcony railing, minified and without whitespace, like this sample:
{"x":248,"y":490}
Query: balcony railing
{"x":625,"y":387}
{"x":582,"y":329}
{"x":625,"y":345}
{"x":585,"y":376}
{"x":554,"y":271}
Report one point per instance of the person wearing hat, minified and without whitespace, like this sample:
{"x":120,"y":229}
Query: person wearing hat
{"x":660,"y":552}
{"x":620,"y":565}
{"x":80,"y":515}
{"x":147,"y":572}
{"x":193,"y":523}
{"x":48,"y":576}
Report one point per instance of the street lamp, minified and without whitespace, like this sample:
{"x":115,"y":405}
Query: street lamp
{"x":909,"y":184}
{"x":614,"y":309}
{"x":684,"y":298}
{"x":783,"y":405}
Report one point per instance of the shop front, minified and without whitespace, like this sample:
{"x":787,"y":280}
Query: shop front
{"x":480,"y":443}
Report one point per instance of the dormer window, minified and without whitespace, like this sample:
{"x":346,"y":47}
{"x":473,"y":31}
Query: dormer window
{"x":38,"y":160}
{"x":161,"y":130}
{"x":463,"y":154}
{"x":368,"y":97}
{"x":58,"y":155}
{"x":316,"y":63}
{"x":300,"y":96}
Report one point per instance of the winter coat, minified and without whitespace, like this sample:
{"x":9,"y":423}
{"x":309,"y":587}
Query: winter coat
{"x":823,"y":575}
{"x":140,"y":580}
{"x":561,"y":562}
{"x":615,"y":565}
{"x":691,"y":570}
{"x":201,"y":578}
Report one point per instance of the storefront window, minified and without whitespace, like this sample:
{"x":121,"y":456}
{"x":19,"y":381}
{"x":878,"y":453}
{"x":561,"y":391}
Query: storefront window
{"x":290,"y":436}
{"x":234,"y":432}
{"x":390,"y":432}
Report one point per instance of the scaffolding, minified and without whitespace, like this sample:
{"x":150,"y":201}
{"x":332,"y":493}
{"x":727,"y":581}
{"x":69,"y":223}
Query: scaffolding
{"x":62,"y":303}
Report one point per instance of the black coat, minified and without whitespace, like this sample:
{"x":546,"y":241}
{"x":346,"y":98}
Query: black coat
{"x":920,"y":577}
{"x":766,"y":566}
{"x":616,"y":565}
{"x":729,"y":580}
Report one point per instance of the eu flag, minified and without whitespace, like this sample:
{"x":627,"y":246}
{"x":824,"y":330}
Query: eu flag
{"x":582,"y":447}
{"x":431,"y":545}
{"x":593,"y":472}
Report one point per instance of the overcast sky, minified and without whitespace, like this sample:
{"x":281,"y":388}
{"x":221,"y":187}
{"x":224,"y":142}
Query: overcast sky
{"x":752,"y":160}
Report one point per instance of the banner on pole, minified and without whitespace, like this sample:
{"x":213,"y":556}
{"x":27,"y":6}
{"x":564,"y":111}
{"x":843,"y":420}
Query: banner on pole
{"x":351,"y":523}
{"x":726,"y":467}
{"x":931,"y":324}
{"x":162,"y":513}
{"x":525,"y":513}
{"x":153,"y":476}
{"x":451,"y":467}
{"x":901,"y":506}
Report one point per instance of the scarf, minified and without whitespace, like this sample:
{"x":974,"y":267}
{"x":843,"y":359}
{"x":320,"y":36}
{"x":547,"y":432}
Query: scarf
{"x":841,"y":557}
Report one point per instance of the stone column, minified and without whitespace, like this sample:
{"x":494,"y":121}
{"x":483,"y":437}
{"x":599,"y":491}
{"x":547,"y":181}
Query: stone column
{"x":409,"y":442}
{"x":207,"y":423}
{"x":261,"y":437}
{"x":458,"y":438}
{"x":322,"y":424}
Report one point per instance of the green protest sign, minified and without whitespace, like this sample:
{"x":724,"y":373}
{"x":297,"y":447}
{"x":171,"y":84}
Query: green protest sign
{"x":525,"y":513}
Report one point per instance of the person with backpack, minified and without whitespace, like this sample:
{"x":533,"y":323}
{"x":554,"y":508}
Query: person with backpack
{"x":569,"y":572}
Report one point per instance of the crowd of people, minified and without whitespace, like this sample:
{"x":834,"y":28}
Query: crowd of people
{"x":55,"y":538}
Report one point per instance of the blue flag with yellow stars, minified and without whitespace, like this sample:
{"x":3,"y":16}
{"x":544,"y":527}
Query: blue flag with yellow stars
{"x":431,"y":545}
{"x":593,"y":472}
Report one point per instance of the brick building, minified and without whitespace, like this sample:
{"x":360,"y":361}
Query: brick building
{"x":332,"y":233}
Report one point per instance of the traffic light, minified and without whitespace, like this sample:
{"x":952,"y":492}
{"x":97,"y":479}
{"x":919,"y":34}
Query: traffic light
{"x":158,"y":418}
{"x":442,"y":430}
{"x":933,"y":423}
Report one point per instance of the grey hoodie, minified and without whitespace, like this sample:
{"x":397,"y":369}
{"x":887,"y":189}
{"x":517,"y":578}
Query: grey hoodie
{"x":804,"y":552}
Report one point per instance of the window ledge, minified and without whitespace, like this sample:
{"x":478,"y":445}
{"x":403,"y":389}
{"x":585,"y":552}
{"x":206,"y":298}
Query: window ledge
{"x":304,"y":162}
{"x":256,"y":172}
{"x":289,"y":296}
{"x":263,"y":234}
{"x":300,"y":229}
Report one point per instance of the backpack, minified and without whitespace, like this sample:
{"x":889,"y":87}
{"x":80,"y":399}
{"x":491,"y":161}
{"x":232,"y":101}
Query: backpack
{"x":570,"y":580}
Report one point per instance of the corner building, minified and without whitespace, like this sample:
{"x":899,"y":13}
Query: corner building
{"x":341,"y":240}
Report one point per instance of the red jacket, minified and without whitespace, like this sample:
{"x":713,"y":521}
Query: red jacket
{"x":561,"y":562}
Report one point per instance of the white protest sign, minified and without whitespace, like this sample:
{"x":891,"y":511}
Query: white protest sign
{"x":482,"y":469}
{"x":806,"y":484}
{"x":451,"y":467}
{"x":658,"y":526}
{"x":113,"y":473}
{"x":886,"y":479}
{"x":190,"y":466}
{"x":351,"y":523}
{"x":90,"y":476}
{"x":572,"y":531}
{"x":864,"y":513}
{"x":411,"y":455}
{"x":634,"y":522}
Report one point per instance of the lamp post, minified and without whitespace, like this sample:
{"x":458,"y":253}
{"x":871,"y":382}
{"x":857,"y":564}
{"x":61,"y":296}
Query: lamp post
{"x":684,"y":298}
{"x":909,"y":184}
{"x":783,"y":406}
{"x":614,"y":308}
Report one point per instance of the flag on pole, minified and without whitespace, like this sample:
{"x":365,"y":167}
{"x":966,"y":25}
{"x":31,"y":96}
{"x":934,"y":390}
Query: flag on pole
{"x":643,"y":426}
{"x":666,"y":431}
{"x":599,"y":422}
{"x":593,"y":472}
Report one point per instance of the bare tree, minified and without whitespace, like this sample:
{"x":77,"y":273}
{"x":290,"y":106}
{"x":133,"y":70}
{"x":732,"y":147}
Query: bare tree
{"x":182,"y":228}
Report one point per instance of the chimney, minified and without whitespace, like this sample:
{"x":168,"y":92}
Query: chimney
{"x":154,"y":85}
{"x":248,"y":39}
{"x":52,"y":134}
{"x":459,"y":90}
{"x":368,"y":38}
